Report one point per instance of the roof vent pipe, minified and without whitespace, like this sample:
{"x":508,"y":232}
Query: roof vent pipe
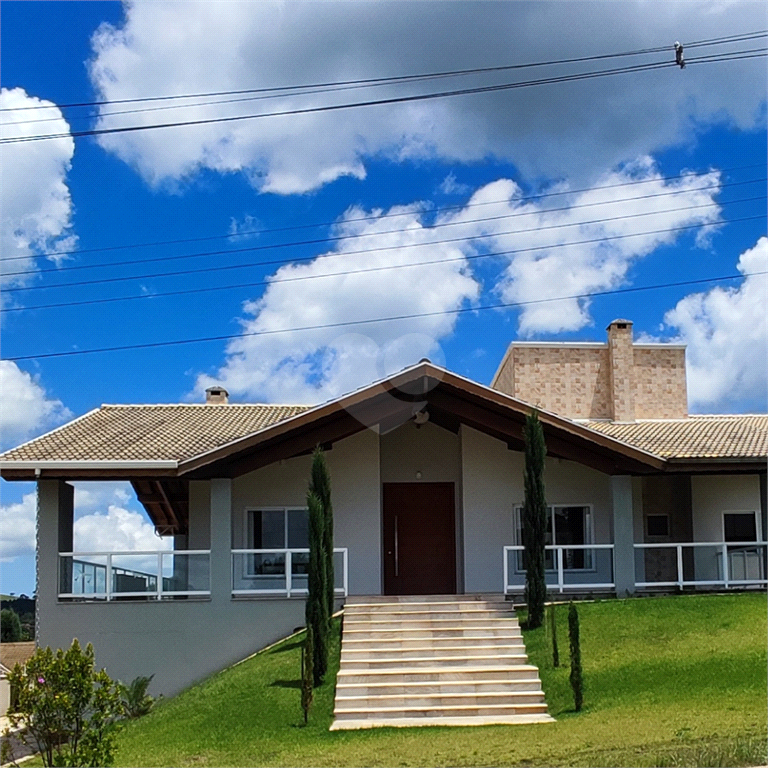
{"x":216,"y":396}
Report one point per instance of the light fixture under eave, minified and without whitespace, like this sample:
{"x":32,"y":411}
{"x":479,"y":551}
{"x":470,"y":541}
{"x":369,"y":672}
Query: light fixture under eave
{"x":422,"y":417}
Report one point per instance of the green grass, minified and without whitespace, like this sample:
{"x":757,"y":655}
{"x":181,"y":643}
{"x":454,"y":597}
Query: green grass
{"x":668,"y":681}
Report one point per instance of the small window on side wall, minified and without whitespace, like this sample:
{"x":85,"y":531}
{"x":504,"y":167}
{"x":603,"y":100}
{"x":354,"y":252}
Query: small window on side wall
{"x":740,"y":526}
{"x":657,"y":525}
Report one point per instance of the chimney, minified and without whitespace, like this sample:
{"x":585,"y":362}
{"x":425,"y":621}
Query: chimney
{"x":621,"y":362}
{"x":216,"y":396}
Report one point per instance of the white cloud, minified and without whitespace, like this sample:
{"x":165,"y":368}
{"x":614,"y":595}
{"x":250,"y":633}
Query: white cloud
{"x":34,"y":197}
{"x":117,"y":530}
{"x":726,"y":331}
{"x":450,"y":186}
{"x":314,"y":365}
{"x":545,"y":264}
{"x":17,"y":522}
{"x":26,"y":407}
{"x":323,"y":362}
{"x":554,"y":130}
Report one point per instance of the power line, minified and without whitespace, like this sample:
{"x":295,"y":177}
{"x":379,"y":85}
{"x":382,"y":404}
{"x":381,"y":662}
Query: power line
{"x":381,"y":102}
{"x":220,"y":268}
{"x":370,"y":321}
{"x":724,"y":40}
{"x":439,"y":225}
{"x":460,"y":206}
{"x":469,"y":257}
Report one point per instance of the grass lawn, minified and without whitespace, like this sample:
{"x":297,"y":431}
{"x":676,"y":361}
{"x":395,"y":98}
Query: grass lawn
{"x":668,"y":681}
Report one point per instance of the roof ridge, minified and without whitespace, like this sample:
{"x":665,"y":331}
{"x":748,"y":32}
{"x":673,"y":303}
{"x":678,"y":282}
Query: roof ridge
{"x":203,"y":405}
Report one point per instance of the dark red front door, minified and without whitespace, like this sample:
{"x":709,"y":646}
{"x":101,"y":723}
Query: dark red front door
{"x":419,"y":539}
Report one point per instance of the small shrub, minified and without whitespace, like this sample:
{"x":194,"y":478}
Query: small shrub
{"x":69,"y":709}
{"x":136,"y":701}
{"x":553,"y":632}
{"x":10,"y":626}
{"x":577,"y":683}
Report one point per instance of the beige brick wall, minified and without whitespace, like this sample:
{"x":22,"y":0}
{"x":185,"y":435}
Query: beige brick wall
{"x":576,"y":381}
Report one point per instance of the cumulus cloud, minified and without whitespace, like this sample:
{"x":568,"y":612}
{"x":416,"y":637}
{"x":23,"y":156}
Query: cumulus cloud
{"x":34,"y":196}
{"x":547,"y":237}
{"x":556,"y":130}
{"x":323,"y":362}
{"x":117,"y":530}
{"x":17,"y":522}
{"x":26,"y":408}
{"x":726,"y":331}
{"x":392,"y":264}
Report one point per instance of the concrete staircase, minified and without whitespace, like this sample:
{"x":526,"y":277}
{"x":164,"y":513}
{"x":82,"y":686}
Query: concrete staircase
{"x":434,"y":660}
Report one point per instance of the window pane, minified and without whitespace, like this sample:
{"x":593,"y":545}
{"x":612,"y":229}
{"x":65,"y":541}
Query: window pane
{"x":658,"y":525}
{"x":571,"y":528}
{"x":298,"y":528}
{"x":268,"y":529}
{"x":740,"y":526}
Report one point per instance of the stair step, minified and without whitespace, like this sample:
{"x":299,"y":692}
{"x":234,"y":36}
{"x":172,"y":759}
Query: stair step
{"x":431,"y":700}
{"x":446,"y":709}
{"x":442,"y":674}
{"x":399,"y":644}
{"x":470,"y":685}
{"x":414,"y":722}
{"x":505,"y":660}
{"x":417,"y":608}
{"x":415,"y":633}
{"x":377,"y":652}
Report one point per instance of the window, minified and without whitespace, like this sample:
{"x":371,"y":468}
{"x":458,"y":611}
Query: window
{"x":657,"y":525}
{"x":566,"y":524}
{"x":740,"y":526}
{"x":277,"y":529}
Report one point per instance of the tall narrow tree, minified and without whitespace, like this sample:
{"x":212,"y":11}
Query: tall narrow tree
{"x":317,"y":605}
{"x":320,"y":485}
{"x":577,"y":681}
{"x":307,"y":673}
{"x":534,"y":520}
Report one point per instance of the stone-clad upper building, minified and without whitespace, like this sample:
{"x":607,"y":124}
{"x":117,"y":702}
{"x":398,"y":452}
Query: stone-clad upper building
{"x":618,"y":380}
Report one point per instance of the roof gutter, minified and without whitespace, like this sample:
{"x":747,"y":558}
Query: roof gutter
{"x":92,"y":464}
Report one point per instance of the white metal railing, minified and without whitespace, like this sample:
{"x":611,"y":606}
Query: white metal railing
{"x":281,"y":571}
{"x":153,"y":575}
{"x":718,"y":563}
{"x":566,"y":577}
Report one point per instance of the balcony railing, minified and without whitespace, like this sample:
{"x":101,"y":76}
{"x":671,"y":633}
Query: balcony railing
{"x":580,"y":567}
{"x":701,"y":564}
{"x":280,"y":572}
{"x":153,"y":575}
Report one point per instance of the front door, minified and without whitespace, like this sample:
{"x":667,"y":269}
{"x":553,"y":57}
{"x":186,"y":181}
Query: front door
{"x":419,"y":539}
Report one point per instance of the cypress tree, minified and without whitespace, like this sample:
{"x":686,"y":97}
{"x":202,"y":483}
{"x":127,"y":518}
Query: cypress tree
{"x":553,"y":629}
{"x":320,"y":485}
{"x":577,"y":683}
{"x":534,"y":520}
{"x":317,"y":605}
{"x":307,"y":674}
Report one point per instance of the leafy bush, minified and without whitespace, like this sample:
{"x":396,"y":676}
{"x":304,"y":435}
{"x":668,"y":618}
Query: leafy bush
{"x":134,"y":697}
{"x":69,"y":709}
{"x":10,"y":626}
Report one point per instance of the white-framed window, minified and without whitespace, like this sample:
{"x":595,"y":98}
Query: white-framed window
{"x":276,"y":528}
{"x":566,"y":524}
{"x":740,"y":526}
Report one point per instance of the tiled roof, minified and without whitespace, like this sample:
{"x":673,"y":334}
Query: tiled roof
{"x":150,"y":432}
{"x":16,"y":653}
{"x":696,"y":437}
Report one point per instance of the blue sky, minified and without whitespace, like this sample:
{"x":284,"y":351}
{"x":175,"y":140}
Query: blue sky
{"x":392,"y":184}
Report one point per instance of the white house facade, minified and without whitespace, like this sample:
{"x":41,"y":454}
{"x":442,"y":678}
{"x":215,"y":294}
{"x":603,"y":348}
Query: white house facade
{"x":427,"y":485}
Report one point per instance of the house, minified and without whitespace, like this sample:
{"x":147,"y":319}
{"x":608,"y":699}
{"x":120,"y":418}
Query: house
{"x":427,"y":474}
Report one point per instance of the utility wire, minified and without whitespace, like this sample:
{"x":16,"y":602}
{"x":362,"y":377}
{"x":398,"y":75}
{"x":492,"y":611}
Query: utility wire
{"x":370,"y":321}
{"x":376,"y":102}
{"x":219,"y":268}
{"x":469,"y":257}
{"x":441,"y":209}
{"x":397,"y":79}
{"x":438,"y":225}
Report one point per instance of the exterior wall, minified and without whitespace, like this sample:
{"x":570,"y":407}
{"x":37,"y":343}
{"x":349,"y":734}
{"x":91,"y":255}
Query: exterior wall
{"x":711,"y":496}
{"x":354,"y":467}
{"x":594,"y":381}
{"x":493,"y":487}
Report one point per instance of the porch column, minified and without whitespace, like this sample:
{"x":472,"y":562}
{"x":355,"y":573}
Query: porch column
{"x":623,"y":535}
{"x":221,"y":539}
{"x":54,"y":535}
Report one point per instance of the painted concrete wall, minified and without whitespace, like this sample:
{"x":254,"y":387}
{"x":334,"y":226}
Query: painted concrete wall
{"x":354,"y":467}
{"x":493,"y":487}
